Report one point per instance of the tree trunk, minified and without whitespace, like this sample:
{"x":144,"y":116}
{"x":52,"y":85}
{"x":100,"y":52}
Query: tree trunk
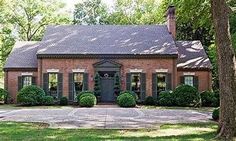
{"x":226,"y":69}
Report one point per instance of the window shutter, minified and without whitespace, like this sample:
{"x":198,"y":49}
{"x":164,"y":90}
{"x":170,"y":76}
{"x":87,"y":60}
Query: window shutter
{"x":60,"y":85}
{"x":154,"y":85}
{"x":45,"y":83}
{"x":143,"y":86}
{"x":19,"y":82}
{"x":195,"y":82}
{"x":128,"y":81}
{"x":71,"y":85}
{"x":33,"y":80}
{"x":168,"y":81}
{"x":85,"y":82}
{"x":181,"y":79}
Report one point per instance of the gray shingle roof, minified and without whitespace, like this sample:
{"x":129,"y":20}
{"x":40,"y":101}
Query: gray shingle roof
{"x":107,"y":39}
{"x":23,"y":55}
{"x":192,"y":55}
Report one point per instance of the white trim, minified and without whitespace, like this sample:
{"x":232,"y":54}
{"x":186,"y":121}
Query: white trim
{"x":26,"y":73}
{"x":78,"y":70}
{"x":52,"y":70}
{"x":135,"y":70}
{"x":161,"y":70}
{"x":188,"y":73}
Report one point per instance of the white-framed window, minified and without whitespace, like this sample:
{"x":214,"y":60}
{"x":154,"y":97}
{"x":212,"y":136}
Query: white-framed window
{"x":53,"y":85}
{"x":188,"y":80}
{"x":136,"y":83}
{"x":26,"y":81}
{"x":161,"y":82}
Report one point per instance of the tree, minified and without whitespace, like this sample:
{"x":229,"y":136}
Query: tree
{"x":117,"y":87}
{"x":30,"y":17}
{"x":226,"y":65}
{"x":97,"y":85}
{"x":90,"y":12}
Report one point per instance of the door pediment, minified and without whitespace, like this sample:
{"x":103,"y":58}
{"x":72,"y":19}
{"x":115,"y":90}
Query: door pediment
{"x":107,"y":64}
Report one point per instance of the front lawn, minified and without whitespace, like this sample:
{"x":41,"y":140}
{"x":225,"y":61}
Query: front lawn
{"x":31,"y":131}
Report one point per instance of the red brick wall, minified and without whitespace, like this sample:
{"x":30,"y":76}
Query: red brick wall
{"x":12,"y":82}
{"x":204,"y":78}
{"x":65,"y":66}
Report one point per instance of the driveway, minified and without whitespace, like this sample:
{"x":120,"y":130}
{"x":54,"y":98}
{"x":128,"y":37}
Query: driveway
{"x":105,"y":118}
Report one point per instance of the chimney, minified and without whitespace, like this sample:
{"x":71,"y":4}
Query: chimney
{"x":171,"y":22}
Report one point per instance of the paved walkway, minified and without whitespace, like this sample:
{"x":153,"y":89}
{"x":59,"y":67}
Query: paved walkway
{"x":105,"y":118}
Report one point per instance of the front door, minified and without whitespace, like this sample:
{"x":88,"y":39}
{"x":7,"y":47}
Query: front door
{"x":107,"y":89}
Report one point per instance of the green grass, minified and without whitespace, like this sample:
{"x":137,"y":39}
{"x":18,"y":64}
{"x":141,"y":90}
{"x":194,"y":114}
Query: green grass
{"x":201,"y":109}
{"x":177,"y":132}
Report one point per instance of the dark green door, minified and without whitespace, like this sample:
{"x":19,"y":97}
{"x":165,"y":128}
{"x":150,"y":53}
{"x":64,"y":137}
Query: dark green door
{"x":107,"y":89}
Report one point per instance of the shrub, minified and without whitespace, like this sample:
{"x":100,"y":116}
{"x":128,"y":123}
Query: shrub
{"x":82,"y":94}
{"x":215,"y":114}
{"x":88,"y":101}
{"x":131,"y":93}
{"x":126,"y":100}
{"x":63,"y":101}
{"x":166,"y":98}
{"x":48,"y":100}
{"x":149,"y":101}
{"x":3,"y":95}
{"x":208,"y":99}
{"x":30,"y":95}
{"x":186,"y":95}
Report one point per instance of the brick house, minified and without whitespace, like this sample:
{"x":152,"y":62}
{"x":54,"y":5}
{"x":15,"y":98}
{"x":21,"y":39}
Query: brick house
{"x":147,"y":58}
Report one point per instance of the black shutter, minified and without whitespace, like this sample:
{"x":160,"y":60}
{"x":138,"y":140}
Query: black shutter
{"x":154,"y":85}
{"x":60,"y":85}
{"x":33,"y":80}
{"x":168,"y":82}
{"x":128,"y":81}
{"x":143,"y":86}
{"x":19,"y":82}
{"x":45,"y":83}
{"x":181,"y":79}
{"x":195,"y":82}
{"x":71,"y":85}
{"x":85,"y":82}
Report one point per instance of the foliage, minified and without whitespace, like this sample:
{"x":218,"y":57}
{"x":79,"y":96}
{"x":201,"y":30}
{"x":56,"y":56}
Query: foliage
{"x":150,"y":101}
{"x":87,"y":101}
{"x":85,"y":93}
{"x":186,"y":95}
{"x":97,"y":85}
{"x":48,"y":100}
{"x":30,"y":95}
{"x":90,"y":12}
{"x":31,"y":16}
{"x":63,"y":101}
{"x":126,"y":100}
{"x":215,"y":114}
{"x":166,"y":98}
{"x":3,"y":94}
{"x":130,"y":92}
{"x":117,"y":86}
{"x":209,"y":99}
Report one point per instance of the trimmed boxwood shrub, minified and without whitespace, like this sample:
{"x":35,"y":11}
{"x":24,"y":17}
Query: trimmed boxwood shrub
{"x":186,"y":95}
{"x":216,"y":114}
{"x":149,"y":101}
{"x":88,"y":101}
{"x":30,"y":95}
{"x":131,"y":93}
{"x":82,"y":93}
{"x":63,"y":101}
{"x":48,"y":100}
{"x":209,"y":99}
{"x":166,"y":98}
{"x":3,"y":95}
{"x":126,"y":100}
